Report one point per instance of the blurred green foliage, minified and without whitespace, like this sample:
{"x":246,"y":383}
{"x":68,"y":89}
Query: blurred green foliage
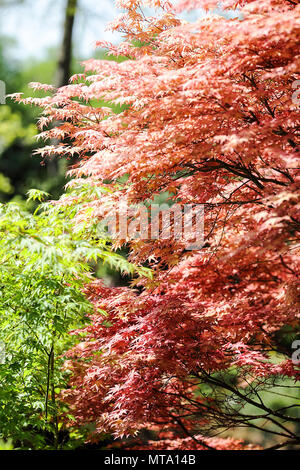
{"x":6,"y":445}
{"x":19,"y":169}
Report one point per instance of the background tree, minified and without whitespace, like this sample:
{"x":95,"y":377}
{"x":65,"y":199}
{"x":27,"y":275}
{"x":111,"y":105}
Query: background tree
{"x":65,"y":56}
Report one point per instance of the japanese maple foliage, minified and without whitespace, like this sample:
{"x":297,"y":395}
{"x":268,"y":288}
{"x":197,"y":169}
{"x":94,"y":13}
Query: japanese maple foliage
{"x":210,"y":117}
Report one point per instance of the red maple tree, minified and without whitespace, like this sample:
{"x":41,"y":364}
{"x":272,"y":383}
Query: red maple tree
{"x":211,"y":117}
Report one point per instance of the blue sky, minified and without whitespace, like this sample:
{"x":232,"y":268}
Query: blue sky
{"x":36,"y":25}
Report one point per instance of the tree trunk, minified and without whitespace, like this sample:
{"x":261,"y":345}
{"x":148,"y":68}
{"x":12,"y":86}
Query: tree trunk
{"x":64,"y":66}
{"x":65,"y":57}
